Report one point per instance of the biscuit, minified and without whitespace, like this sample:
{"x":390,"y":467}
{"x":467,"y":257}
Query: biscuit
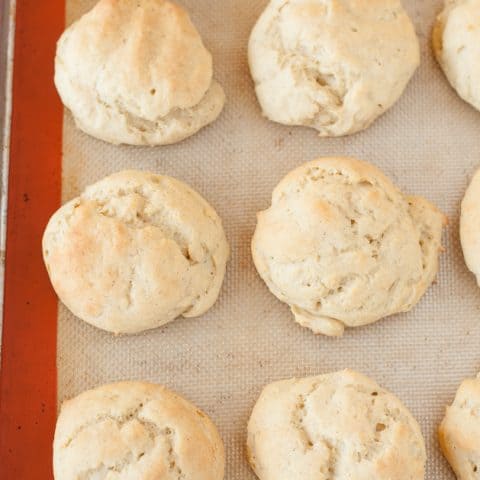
{"x":134,"y":251}
{"x":137,"y":72}
{"x":460,"y":430}
{"x":344,"y":247}
{"x":333,"y":65}
{"x":335,"y":426}
{"x":135,"y":431}
{"x":470,"y":226}
{"x":456,"y":43}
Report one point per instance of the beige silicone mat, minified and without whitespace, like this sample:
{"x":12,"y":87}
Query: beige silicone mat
{"x":428,"y":144}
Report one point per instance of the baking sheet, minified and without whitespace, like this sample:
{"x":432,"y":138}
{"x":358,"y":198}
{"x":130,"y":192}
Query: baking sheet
{"x":7,"y":29}
{"x":428,"y":144}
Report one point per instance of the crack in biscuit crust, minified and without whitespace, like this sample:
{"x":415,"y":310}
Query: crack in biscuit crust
{"x":344,"y":247}
{"x":135,"y":251}
{"x":331,"y":427}
{"x":132,"y":430}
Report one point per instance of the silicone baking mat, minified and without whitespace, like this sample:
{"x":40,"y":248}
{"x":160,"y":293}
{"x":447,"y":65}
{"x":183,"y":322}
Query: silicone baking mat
{"x":428,"y":144}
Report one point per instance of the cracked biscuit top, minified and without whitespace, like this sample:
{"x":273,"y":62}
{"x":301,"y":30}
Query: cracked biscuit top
{"x":460,"y":430}
{"x":333,"y":427}
{"x":137,"y":72}
{"x":134,"y":251}
{"x":344,"y":247}
{"x":333,"y":65}
{"x":135,"y":431}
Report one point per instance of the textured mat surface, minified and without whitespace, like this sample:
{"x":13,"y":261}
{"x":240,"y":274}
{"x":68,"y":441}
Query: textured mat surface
{"x":428,"y":144}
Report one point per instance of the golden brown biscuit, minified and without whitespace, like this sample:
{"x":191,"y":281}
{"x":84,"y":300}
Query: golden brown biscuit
{"x":336,"y":426}
{"x":134,"y":251}
{"x":135,"y":431}
{"x":344,"y":247}
{"x":470,"y":226}
{"x":460,"y":430}
{"x":137,"y":72}
{"x":456,"y":43}
{"x":333,"y":65}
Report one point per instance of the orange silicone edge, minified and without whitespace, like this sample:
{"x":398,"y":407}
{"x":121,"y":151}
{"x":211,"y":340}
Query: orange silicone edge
{"x":28,"y":376}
